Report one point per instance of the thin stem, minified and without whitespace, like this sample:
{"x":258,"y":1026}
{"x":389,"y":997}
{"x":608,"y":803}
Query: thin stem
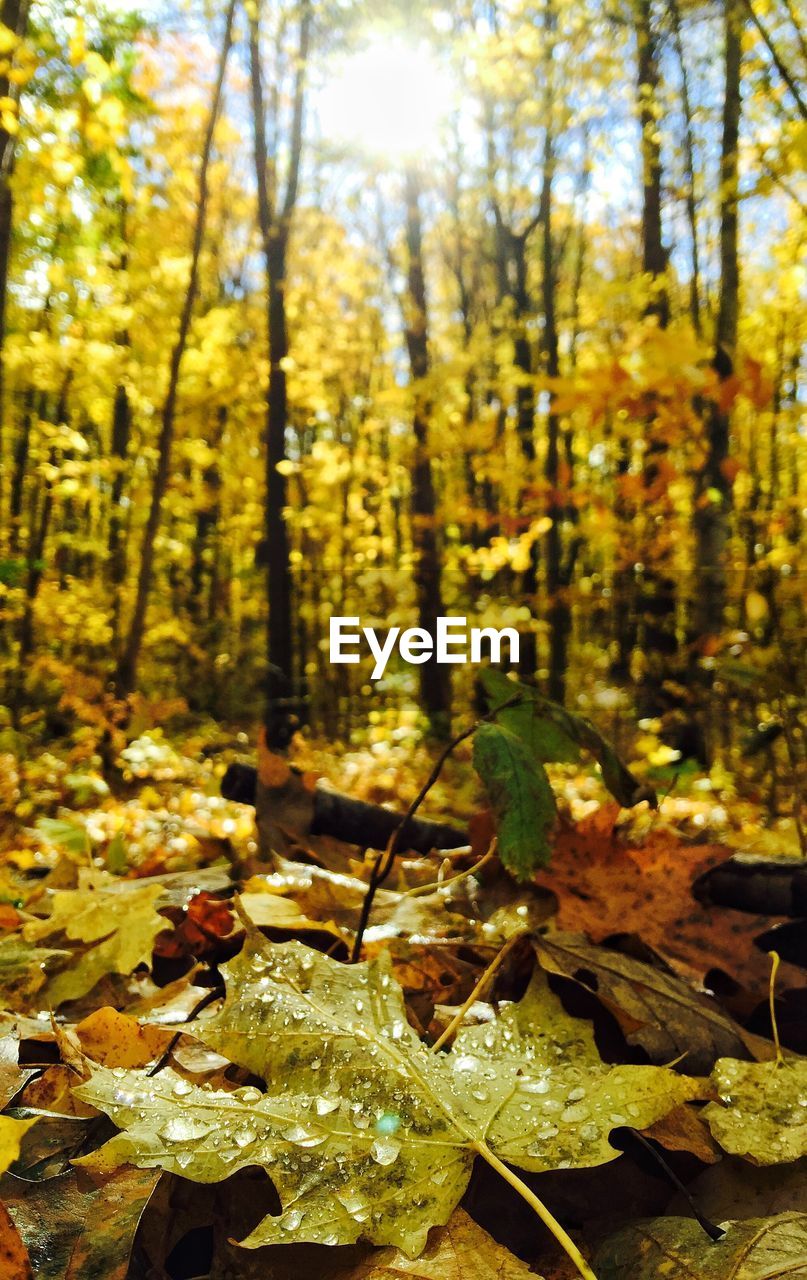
{"x":563,"y":1238}
{"x":383,"y":865}
{"x":714,"y":1233}
{"x":772,"y":1006}
{"x":421,"y":889}
{"x":480,"y":986}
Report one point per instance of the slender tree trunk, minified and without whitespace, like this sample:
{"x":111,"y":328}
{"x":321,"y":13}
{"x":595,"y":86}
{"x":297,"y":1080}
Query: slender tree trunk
{"x":689,"y":169}
{"x":435,"y":687}
{"x":649,"y":603}
{"x":525,"y":426}
{"x":14,"y":15}
{"x":274,"y":221}
{"x":37,"y":541}
{"x":654,"y":252}
{"x":559,"y":614}
{"x":22,"y":449}
{"x":203,"y":552}
{"x":126,"y":676}
{"x":714,"y":487}
{"x":119,"y":451}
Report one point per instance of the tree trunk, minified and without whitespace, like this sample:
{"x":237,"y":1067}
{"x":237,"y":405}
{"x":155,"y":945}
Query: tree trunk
{"x":282,"y":708}
{"x":435,"y":685}
{"x":714,"y":488}
{"x":557,"y":579}
{"x":654,"y":252}
{"x":126,"y":675}
{"x":14,"y":15}
{"x":119,"y":451}
{"x":689,"y":168}
{"x":656,"y":595}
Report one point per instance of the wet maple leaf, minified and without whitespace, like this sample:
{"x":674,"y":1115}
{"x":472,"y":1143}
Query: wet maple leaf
{"x":364,"y":1131}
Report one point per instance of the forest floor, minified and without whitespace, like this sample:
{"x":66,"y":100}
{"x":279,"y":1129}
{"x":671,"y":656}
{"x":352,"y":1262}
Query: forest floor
{"x":121,"y":899}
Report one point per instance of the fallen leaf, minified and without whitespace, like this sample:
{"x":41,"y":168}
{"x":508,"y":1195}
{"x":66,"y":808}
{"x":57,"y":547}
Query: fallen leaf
{"x":117,"y":923}
{"x":13,"y":1077}
{"x":76,"y":1229}
{"x":762,"y":1114}
{"x":116,"y":1040}
{"x":735,"y":1189}
{"x":270,"y":911}
{"x":656,"y":1010}
{"x":12,"y":1133}
{"x":365,"y":1131}
{"x":23,"y":970}
{"x":53,"y":1091}
{"x":457,"y":1251}
{"x":679,"y":1249}
{"x":14,"y":1261}
{"x":605,"y":885}
{"x":682,"y":1129}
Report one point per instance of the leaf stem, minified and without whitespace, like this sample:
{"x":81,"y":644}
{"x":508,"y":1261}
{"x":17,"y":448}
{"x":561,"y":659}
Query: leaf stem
{"x":480,"y":986}
{"x":420,"y":890}
{"x":772,"y":1006}
{"x":563,"y":1238}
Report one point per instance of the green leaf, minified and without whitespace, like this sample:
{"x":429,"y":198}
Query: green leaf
{"x":553,"y":733}
{"x":679,"y":1249}
{"x":549,"y":742}
{"x":762,"y":1114}
{"x":521,"y":798}
{"x":365,"y":1131}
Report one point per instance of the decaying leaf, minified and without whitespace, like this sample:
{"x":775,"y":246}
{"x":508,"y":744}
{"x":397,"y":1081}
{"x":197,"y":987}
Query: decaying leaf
{"x":655,"y":1008}
{"x":14,"y":1261}
{"x":762,"y":1113}
{"x":12,"y":1076}
{"x":75,"y":1228}
{"x":678,"y":1249}
{"x":735,"y":1189}
{"x":457,"y":1251}
{"x":117,"y":921}
{"x":602,"y":881}
{"x":363,"y":1130}
{"x":23,"y":970}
